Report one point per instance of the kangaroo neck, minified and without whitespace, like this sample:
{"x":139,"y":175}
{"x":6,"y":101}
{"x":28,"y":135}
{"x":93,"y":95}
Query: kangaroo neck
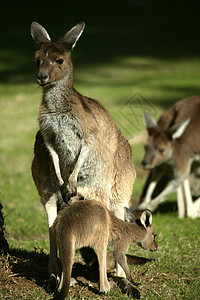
{"x":58,"y":96}
{"x":135,"y":231}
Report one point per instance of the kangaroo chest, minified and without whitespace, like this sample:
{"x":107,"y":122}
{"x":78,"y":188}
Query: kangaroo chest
{"x":62,"y":132}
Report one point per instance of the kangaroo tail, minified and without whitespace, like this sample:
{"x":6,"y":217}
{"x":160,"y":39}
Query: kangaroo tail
{"x":66,"y":251}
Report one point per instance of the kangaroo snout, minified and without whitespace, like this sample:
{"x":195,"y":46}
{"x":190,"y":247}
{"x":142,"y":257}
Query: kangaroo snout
{"x":154,"y":247}
{"x":43,"y":79}
{"x":145,"y":164}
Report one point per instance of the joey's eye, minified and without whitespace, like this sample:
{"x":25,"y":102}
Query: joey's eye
{"x":59,"y":61}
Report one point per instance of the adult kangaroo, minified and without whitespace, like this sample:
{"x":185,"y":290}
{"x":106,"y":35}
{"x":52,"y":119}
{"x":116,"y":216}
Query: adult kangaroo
{"x":89,"y":223}
{"x":78,"y":146}
{"x":173,"y":153}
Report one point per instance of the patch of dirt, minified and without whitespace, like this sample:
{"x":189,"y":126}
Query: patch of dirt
{"x":24,"y":275}
{"x":21,"y":274}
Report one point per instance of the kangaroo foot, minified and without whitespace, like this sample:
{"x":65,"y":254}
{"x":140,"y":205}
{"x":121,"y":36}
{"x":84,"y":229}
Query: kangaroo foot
{"x":134,"y":283}
{"x":127,"y":287}
{"x":53,"y":283}
{"x":105,"y":289}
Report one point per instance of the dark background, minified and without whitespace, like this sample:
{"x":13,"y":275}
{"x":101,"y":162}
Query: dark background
{"x":159,"y":29}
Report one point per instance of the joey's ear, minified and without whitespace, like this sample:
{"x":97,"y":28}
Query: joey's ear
{"x":72,"y":36}
{"x":177,"y":130}
{"x":146,"y":218}
{"x":129,"y":216}
{"x":149,"y":122}
{"x":39,"y":34}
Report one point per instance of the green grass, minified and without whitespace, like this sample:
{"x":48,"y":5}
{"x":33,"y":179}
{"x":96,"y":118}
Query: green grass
{"x":131,"y":58}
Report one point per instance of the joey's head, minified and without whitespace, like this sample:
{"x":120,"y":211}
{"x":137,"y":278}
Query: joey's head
{"x":143,"y":229}
{"x":53,"y":60}
{"x":160,"y":143}
{"x":147,"y":239}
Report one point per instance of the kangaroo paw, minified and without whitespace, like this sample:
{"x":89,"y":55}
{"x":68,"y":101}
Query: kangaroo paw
{"x":67,"y":193}
{"x":64,"y":193}
{"x":72,"y":190}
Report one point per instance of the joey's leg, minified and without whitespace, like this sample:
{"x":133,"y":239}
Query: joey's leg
{"x":122,"y":261}
{"x":101,"y":252}
{"x":126,"y":284}
{"x":119,"y":213}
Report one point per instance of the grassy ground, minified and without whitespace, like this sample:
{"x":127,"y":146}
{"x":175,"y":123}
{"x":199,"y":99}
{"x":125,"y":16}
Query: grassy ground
{"x":131,"y":58}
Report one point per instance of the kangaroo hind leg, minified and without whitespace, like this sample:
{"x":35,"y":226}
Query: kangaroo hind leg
{"x":101,"y":252}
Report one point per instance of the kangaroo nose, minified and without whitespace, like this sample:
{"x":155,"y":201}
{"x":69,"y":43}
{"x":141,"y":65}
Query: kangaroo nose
{"x":145,"y":164}
{"x":155,"y":247}
{"x":42,"y":78}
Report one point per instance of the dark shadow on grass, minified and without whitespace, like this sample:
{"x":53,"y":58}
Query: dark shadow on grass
{"x":167,"y":207}
{"x":34,"y":267}
{"x":31,"y":265}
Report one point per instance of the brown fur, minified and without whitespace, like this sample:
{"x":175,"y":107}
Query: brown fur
{"x":78,"y":146}
{"x":89,"y":223}
{"x":170,"y":156}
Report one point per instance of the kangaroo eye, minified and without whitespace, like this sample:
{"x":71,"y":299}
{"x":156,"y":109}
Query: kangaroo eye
{"x":161,"y":150}
{"x":59,"y":61}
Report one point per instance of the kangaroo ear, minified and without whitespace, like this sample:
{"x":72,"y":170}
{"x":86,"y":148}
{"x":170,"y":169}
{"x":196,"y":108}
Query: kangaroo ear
{"x":149,"y":122}
{"x":129,"y":216}
{"x":39,"y":34}
{"x":72,"y":36}
{"x":177,"y":130}
{"x":146,"y":218}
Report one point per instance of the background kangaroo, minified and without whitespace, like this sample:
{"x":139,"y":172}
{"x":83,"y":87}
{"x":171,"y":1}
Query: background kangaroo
{"x":78,"y":144}
{"x":172,"y":153}
{"x":89,"y":223}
